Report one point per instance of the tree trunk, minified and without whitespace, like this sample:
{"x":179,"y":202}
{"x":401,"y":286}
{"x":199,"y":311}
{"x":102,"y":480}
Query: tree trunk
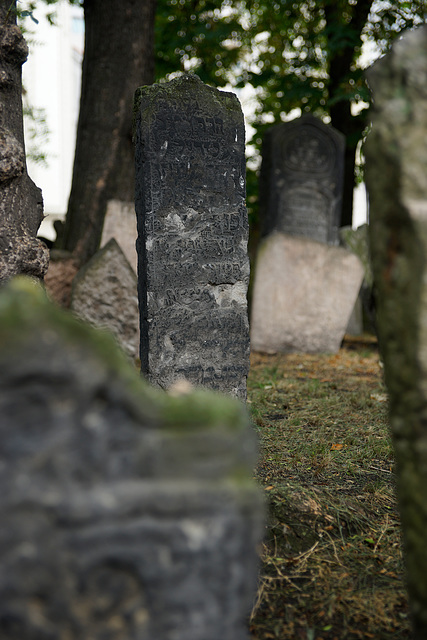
{"x":21,"y":203}
{"x":342,"y":120}
{"x":119,"y":57}
{"x":341,"y":59}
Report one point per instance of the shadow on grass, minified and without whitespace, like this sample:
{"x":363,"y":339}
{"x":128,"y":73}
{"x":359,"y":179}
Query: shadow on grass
{"x":332,"y":564}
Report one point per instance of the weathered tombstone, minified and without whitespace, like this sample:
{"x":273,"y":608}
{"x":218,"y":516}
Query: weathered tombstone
{"x":363,"y":317}
{"x":396,"y":170}
{"x":301,"y":179}
{"x":120,"y":224}
{"x":303,"y":295}
{"x":21,"y":202}
{"x":355,"y":323}
{"x":192,"y":235}
{"x":104,"y":293}
{"x":125,"y":513}
{"x":357,"y":241}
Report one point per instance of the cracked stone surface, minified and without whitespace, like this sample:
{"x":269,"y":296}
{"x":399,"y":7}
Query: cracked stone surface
{"x":192,"y":245}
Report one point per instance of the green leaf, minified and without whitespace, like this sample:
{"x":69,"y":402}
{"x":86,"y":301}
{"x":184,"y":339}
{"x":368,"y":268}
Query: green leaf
{"x":25,"y":14}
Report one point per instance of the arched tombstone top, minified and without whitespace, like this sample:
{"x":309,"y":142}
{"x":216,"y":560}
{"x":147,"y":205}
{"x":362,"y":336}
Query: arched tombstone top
{"x":302,"y":179}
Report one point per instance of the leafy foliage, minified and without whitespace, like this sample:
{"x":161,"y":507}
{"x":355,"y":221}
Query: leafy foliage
{"x":284,"y":48}
{"x":28,"y":9}
{"x":304,"y":56}
{"x":297,"y":55}
{"x":199,"y":35}
{"x":37,"y":133}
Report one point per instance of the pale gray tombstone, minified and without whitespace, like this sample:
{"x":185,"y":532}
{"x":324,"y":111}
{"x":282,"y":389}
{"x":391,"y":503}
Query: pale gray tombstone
{"x":120,"y":224}
{"x":125,"y":512}
{"x":363,"y":316}
{"x":193,"y":269}
{"x":104,"y":293}
{"x":303,"y":295}
{"x":396,"y":176}
{"x":301,"y":180}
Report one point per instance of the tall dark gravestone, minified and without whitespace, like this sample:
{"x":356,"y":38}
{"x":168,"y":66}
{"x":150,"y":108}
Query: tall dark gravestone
{"x":193,"y":268}
{"x":302,"y":179}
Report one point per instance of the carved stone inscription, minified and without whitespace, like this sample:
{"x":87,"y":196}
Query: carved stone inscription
{"x":302,"y":179}
{"x":193,"y":268}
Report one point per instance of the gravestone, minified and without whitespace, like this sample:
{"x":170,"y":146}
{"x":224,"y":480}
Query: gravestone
{"x":357,"y":241}
{"x":120,"y":224}
{"x":104,"y":293}
{"x":193,"y":268}
{"x":125,"y":512}
{"x":301,"y":180}
{"x":396,"y":169}
{"x":303,"y":295}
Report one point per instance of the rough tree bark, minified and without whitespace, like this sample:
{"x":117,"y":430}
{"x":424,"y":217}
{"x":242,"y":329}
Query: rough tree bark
{"x":21,"y":203}
{"x":118,"y":58}
{"x":341,"y":61}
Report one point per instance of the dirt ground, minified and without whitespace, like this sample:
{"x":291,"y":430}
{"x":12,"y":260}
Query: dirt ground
{"x":332,"y":565}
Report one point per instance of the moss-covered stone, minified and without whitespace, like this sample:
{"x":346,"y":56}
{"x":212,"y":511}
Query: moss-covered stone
{"x":27,"y":316}
{"x":122,"y":507}
{"x":396,"y":160}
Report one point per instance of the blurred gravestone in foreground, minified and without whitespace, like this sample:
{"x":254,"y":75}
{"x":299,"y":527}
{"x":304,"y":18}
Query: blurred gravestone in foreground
{"x":125,"y":512}
{"x":396,"y":170}
{"x":193,"y":267}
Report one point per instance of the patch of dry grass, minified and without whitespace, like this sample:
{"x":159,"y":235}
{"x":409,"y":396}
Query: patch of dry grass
{"x":331,"y":561}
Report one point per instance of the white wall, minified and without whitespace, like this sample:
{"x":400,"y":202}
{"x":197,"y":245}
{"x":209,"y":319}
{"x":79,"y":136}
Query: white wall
{"x":360,"y":206}
{"x":51,"y":79}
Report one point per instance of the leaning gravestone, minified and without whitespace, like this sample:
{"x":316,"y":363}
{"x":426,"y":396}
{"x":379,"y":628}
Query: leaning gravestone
{"x":104,"y":293}
{"x":125,"y":513}
{"x":120,"y":224}
{"x":303,"y":296}
{"x":396,"y":170}
{"x":301,"y":179}
{"x":192,"y":235}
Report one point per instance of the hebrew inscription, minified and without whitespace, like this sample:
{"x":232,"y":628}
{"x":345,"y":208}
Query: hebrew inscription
{"x":193,"y":268}
{"x":302,"y":179}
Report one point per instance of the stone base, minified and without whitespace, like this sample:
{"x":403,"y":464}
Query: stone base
{"x":304,"y":294}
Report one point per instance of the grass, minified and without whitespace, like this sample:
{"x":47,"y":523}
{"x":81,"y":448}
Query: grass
{"x":332,"y":564}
